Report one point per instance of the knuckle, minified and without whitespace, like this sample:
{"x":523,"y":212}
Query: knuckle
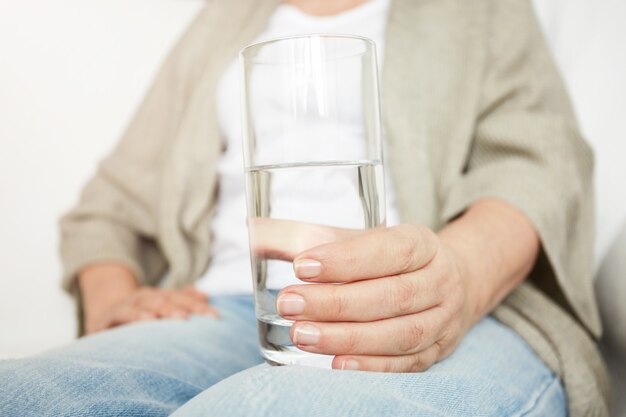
{"x":411,"y":338}
{"x":428,"y":236}
{"x":445,"y":346}
{"x":338,"y":303}
{"x":411,"y":244}
{"x":441,"y":348}
{"x":403,"y":295}
{"x":405,"y":253}
{"x":417,"y":363}
{"x":418,"y":245}
{"x":351,"y":342}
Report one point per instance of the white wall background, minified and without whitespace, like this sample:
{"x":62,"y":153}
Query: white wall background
{"x":72,"y":72}
{"x":588,"y":39}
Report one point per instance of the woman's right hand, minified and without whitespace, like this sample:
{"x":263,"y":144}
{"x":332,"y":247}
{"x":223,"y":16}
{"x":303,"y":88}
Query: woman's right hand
{"x":112,"y":297}
{"x":150,"y":303}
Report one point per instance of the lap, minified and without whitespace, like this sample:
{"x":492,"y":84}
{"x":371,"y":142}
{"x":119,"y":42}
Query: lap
{"x":151,"y":368}
{"x":492,"y":373}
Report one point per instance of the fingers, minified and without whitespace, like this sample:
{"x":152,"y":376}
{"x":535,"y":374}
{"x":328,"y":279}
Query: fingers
{"x":284,"y":239}
{"x":165,"y":303}
{"x":361,"y":301}
{"x":127,"y":313}
{"x":189,"y":304}
{"x":397,"y":336}
{"x":196,"y":293}
{"x":148,"y":303}
{"x":117,"y":315}
{"x":178,"y":304}
{"x":328,"y":254}
{"x":371,"y":254}
{"x":416,"y":362}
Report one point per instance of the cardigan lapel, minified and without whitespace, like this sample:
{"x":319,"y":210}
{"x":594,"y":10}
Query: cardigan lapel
{"x":188,"y":186}
{"x":403,"y":115}
{"x":428,"y":108}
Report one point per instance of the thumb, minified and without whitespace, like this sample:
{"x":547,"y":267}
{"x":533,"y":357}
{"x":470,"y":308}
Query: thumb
{"x":284,"y":239}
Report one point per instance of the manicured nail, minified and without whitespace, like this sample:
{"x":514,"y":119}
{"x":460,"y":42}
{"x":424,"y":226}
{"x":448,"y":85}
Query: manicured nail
{"x":306,"y":334}
{"x":290,"y":304}
{"x":307,"y":268}
{"x":349,"y":365}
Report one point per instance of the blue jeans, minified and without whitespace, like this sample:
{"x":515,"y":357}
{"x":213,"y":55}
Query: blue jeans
{"x":207,"y":367}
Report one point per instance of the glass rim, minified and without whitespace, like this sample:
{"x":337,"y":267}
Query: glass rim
{"x":258,"y":45}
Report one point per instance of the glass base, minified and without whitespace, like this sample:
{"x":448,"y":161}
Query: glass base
{"x":296,"y":356}
{"x":278,"y":349}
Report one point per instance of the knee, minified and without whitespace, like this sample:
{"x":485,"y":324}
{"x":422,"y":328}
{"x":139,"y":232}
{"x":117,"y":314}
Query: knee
{"x":281,"y":391}
{"x":55,"y":386}
{"x":34,"y":387}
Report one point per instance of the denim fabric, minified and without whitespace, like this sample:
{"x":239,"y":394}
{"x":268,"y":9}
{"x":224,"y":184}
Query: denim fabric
{"x":208,"y":367}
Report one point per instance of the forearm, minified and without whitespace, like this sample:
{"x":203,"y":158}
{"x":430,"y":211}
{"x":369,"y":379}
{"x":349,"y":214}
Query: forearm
{"x":102,"y":285}
{"x":497,"y":246}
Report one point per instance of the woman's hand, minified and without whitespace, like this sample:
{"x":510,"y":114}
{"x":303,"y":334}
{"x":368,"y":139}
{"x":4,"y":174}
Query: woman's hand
{"x":112,"y":297}
{"x":151,"y":303}
{"x":407,"y":295}
{"x":403,"y":304}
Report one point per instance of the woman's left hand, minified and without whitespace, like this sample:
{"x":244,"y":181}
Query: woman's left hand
{"x":402,"y":305}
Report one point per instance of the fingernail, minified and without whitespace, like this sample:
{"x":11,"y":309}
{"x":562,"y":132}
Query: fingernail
{"x":349,"y":365}
{"x":306,"y":334}
{"x":307,"y":268}
{"x":290,"y":304}
{"x":178,"y":315}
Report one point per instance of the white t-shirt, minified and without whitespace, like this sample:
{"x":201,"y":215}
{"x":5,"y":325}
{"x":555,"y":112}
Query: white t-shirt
{"x":229,"y":271}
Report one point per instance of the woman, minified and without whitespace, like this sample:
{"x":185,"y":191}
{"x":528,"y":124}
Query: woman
{"x":480,"y":303}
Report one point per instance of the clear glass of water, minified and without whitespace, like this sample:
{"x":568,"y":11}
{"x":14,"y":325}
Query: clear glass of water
{"x":313,"y":158}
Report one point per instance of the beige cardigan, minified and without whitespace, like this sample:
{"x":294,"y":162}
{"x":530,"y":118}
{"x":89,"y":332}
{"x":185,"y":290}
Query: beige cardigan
{"x":473,"y":107}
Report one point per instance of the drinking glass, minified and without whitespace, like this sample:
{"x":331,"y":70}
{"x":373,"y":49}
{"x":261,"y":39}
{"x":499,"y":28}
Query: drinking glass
{"x":312,"y":159}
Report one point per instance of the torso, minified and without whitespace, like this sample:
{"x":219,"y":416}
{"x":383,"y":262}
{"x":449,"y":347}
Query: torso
{"x":229,"y":270}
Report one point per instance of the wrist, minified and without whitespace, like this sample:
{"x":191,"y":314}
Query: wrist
{"x":474,"y":289}
{"x":495,"y":247}
{"x":103,"y":285}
